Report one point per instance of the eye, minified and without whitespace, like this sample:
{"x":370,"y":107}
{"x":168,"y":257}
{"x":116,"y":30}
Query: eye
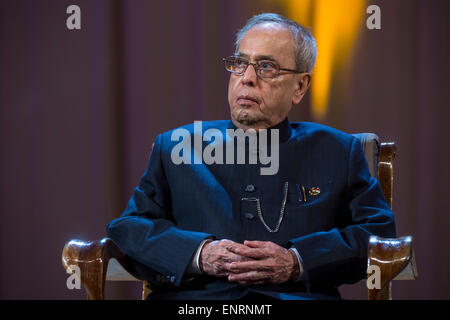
{"x":239,"y":62}
{"x":266,"y":65}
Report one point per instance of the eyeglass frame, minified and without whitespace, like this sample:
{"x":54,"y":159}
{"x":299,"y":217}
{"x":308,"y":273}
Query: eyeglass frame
{"x":256,"y":67}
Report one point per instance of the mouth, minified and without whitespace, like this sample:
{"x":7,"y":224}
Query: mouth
{"x":247,"y":100}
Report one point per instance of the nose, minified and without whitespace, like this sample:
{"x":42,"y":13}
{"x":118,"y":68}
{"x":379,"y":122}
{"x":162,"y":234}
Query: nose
{"x":250,"y":77}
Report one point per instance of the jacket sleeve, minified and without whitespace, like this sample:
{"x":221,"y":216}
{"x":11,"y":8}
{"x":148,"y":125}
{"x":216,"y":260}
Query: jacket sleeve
{"x":146,"y":231}
{"x":339,"y":255}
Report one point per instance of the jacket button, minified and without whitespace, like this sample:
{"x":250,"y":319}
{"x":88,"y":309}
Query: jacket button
{"x":249,"y":216}
{"x":250,"y":188}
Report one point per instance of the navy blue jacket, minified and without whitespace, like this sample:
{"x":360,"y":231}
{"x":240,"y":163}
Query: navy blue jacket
{"x":175,"y":207}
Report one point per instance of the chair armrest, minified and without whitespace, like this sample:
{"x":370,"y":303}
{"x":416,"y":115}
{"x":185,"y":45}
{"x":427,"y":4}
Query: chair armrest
{"x":92,"y":258}
{"x":392,"y":256}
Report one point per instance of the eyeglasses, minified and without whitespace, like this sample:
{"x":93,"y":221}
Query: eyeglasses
{"x":264,"y":68}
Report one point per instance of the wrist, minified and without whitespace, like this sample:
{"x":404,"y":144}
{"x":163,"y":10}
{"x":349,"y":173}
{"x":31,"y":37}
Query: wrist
{"x":201,"y":255}
{"x":295,"y":272}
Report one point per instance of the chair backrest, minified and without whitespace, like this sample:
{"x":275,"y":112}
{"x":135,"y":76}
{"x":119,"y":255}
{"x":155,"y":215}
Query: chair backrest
{"x":371,"y":146}
{"x":380,"y":158}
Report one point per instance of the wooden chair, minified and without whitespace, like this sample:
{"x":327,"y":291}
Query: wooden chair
{"x":102,"y":260}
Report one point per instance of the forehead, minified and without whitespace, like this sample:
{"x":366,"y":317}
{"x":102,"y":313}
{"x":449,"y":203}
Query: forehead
{"x":268,"y":39}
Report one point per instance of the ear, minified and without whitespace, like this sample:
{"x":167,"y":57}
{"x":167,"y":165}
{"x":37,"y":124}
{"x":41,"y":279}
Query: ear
{"x":303,"y":83}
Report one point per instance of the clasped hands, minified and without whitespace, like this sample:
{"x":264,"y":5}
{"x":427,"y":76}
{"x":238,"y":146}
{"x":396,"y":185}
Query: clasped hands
{"x":250,"y":263}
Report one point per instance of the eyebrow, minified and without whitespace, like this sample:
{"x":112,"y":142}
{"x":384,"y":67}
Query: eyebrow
{"x":258,"y":57}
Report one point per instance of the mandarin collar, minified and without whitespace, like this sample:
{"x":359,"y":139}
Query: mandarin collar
{"x":284,"y":128}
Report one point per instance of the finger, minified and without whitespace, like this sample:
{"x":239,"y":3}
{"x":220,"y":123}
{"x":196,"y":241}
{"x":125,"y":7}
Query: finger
{"x":229,"y":269}
{"x":247,"y":266}
{"x":227,"y":262}
{"x":248,"y":276}
{"x":232,"y":257}
{"x":256,"y":243}
{"x":234,"y":246}
{"x":246,"y":251}
{"x":251,"y":283}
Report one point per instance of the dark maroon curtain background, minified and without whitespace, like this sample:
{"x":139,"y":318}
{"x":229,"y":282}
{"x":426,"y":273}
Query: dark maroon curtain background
{"x":79,"y":111}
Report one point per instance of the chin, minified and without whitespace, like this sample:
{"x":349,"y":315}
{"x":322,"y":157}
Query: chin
{"x":247,"y":119}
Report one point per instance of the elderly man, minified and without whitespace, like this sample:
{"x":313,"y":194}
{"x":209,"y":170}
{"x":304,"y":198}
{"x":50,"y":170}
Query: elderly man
{"x":215,"y":230}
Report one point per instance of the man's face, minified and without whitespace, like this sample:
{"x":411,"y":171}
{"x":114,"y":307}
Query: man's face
{"x":261,"y":103}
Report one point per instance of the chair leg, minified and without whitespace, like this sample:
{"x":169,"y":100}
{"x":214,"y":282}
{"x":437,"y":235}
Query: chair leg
{"x":390,"y":256}
{"x":145,"y":290}
{"x":89,"y":257}
{"x":93,"y":280}
{"x":381,"y":294}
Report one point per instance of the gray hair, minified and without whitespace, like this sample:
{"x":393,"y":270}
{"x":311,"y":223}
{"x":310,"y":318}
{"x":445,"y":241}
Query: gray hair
{"x":305,"y":49}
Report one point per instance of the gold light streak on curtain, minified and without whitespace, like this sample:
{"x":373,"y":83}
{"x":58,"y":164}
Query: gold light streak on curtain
{"x":335,"y":25}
